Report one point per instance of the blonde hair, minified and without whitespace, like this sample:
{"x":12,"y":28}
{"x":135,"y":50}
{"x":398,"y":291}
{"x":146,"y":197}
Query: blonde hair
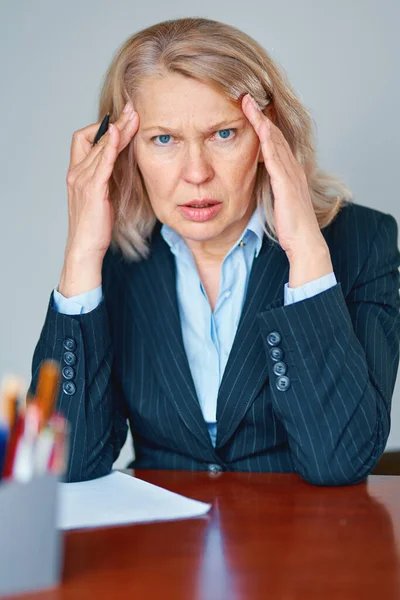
{"x":233,"y":63}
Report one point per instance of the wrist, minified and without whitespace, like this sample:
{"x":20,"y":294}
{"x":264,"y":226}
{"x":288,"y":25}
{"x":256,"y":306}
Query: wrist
{"x":80,"y":275}
{"x":309,"y":266}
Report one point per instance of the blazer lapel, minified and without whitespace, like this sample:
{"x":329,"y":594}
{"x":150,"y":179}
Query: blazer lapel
{"x":152,"y":287}
{"x":246,"y":370}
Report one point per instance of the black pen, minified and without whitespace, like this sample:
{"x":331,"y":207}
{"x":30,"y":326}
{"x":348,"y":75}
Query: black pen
{"x":102,"y":129}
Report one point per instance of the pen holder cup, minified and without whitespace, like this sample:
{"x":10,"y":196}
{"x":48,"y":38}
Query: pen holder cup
{"x":31,"y":545}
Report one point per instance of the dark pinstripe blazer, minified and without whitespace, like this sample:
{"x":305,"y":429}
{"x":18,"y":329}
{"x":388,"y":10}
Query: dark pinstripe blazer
{"x":341,"y":348}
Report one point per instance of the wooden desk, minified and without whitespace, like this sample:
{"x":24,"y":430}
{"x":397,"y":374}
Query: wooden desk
{"x":267,"y":537}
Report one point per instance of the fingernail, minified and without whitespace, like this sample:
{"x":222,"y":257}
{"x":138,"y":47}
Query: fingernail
{"x":128,"y":106}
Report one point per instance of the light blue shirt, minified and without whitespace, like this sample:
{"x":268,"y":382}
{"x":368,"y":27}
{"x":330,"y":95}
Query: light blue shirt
{"x":208,"y":336}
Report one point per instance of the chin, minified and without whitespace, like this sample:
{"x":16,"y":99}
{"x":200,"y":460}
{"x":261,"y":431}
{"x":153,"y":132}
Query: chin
{"x":199,"y":232}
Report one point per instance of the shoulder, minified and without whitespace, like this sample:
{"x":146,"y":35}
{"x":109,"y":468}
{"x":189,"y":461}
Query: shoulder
{"x":360,"y":217}
{"x":359,"y":237}
{"x":358,"y":225}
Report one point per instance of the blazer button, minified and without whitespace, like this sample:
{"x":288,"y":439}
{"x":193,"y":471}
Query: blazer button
{"x":273,"y":338}
{"x":283,"y":383}
{"x":276,"y":353}
{"x":280,"y":368}
{"x":69,"y":358}
{"x":68,"y":373}
{"x":69,"y":388}
{"x":214,"y":468}
{"x":69,"y":344}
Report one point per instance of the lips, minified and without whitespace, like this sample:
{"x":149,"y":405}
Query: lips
{"x":208,"y":210}
{"x":201,"y":203}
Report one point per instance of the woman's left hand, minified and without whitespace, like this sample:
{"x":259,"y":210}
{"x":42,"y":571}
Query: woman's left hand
{"x":296,"y":224}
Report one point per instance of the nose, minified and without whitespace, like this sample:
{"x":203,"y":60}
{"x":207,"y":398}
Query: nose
{"x":197,"y":167}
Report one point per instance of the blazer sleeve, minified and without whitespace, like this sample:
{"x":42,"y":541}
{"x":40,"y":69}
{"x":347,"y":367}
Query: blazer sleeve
{"x":342,"y":356}
{"x":89,"y":395}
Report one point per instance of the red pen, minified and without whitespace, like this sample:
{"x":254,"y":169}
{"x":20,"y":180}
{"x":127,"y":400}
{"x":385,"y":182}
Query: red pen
{"x":58,"y":459}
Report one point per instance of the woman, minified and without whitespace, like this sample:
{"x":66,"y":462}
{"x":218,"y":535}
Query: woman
{"x":218,"y":290}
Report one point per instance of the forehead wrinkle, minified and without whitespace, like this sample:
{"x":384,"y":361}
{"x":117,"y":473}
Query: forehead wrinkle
{"x":210,"y":129}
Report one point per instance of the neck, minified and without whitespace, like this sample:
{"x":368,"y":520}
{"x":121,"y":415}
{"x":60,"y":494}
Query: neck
{"x":208,"y":254}
{"x":211,"y":253}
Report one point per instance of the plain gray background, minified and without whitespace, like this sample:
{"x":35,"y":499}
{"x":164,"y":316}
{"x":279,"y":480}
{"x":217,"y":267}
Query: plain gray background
{"x":342,"y":58}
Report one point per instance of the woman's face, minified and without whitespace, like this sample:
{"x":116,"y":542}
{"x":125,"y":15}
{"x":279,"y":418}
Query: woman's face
{"x":195,"y":144}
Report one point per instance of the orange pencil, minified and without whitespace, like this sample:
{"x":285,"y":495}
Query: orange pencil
{"x":47,"y":389}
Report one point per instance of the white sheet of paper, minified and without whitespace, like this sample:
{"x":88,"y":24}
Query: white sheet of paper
{"x":119,"y":498}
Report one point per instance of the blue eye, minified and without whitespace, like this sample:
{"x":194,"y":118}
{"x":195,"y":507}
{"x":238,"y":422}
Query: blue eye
{"x":225,"y":133}
{"x":164,"y":139}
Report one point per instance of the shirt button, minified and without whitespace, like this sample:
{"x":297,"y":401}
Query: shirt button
{"x":69,"y":358}
{"x":280,"y":368}
{"x":69,"y":388}
{"x":228,"y":293}
{"x":69,"y":344}
{"x":214,"y":468}
{"x":283,"y":383}
{"x":276,"y":353}
{"x":68,"y":373}
{"x":273,"y":338}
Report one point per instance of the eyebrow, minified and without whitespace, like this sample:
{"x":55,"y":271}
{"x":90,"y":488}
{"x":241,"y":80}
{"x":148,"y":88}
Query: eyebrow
{"x":209,"y":130}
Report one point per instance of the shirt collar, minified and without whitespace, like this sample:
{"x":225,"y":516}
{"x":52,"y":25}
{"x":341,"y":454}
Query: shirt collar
{"x":255,"y":225}
{"x":174,"y":239}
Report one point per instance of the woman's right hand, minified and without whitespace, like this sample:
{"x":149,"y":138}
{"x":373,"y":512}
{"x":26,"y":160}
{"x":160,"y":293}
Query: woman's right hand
{"x":90,"y":213}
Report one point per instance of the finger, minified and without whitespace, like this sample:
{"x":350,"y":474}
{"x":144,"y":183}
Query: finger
{"x":125,"y":136}
{"x":276,"y":151}
{"x":272,"y":146}
{"x":128,"y":131}
{"x":103,"y":162}
{"x":82,"y":140}
{"x":103,"y":165}
{"x":127,"y":128}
